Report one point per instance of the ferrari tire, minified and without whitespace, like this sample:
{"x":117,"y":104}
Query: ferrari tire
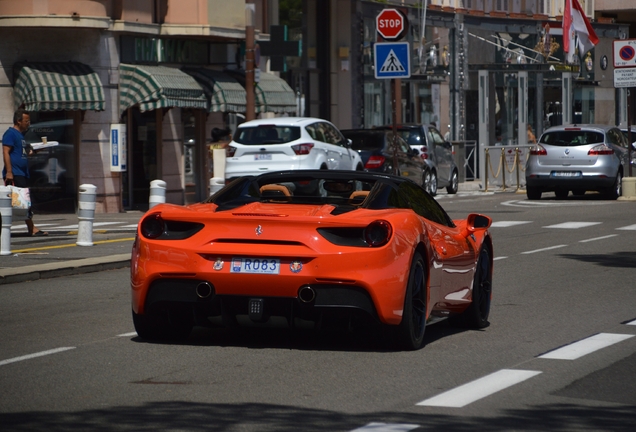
{"x":173,"y":323}
{"x":476,"y":315}
{"x":410,"y":332}
{"x":454,"y":184}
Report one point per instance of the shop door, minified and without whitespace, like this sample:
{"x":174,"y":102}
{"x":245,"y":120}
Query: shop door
{"x":142,"y":160}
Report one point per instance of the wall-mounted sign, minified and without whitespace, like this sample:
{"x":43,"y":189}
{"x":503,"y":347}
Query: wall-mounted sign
{"x":158,"y":50}
{"x":118,"y":149}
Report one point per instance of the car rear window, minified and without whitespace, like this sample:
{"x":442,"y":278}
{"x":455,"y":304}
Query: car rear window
{"x":571,"y":138}
{"x":411,"y":136}
{"x":267,"y":134}
{"x":365,"y":140}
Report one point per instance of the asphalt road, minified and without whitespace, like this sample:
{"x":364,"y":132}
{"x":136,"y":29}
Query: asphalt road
{"x":559,"y":355}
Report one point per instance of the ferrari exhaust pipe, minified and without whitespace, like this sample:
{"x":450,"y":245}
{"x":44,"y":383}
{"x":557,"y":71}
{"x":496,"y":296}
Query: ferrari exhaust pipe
{"x":204,"y":290}
{"x":306,"y":294}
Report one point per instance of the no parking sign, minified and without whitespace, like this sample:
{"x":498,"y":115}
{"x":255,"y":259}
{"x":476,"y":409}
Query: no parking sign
{"x":625,"y":53}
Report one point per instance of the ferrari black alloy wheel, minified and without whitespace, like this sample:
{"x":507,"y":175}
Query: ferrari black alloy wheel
{"x":476,"y":315}
{"x":410,"y":332}
{"x":169,"y":323}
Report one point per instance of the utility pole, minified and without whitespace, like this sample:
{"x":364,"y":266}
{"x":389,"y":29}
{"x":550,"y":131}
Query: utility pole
{"x":250,"y":105}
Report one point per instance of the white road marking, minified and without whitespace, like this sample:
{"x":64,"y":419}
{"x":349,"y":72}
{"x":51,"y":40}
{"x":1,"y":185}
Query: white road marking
{"x":131,"y":334}
{"x":628,"y":228}
{"x":479,"y":389}
{"x":499,"y":258}
{"x":34,"y":355}
{"x":387,"y":427}
{"x":573,"y":225}
{"x":632,"y":323}
{"x":506,"y":224}
{"x":24,"y":227}
{"x":585,"y":346}
{"x":130,"y":226}
{"x":598,"y":238}
{"x":75,"y":226}
{"x":544,"y":249}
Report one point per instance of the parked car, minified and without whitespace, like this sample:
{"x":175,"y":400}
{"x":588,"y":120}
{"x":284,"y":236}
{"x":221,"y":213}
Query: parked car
{"x":436,"y":152}
{"x":626,"y":133}
{"x":381,"y":152}
{"x":577,"y":158}
{"x":288,"y":143}
{"x":364,"y":249}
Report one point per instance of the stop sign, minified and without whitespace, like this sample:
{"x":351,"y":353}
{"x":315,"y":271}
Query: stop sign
{"x":390,"y":24}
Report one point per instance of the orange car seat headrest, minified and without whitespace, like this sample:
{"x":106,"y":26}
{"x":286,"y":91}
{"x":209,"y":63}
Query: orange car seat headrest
{"x":275,"y":190}
{"x":358,"y":197}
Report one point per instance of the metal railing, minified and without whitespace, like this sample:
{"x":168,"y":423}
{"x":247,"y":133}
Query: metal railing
{"x":465,"y":155}
{"x":511,"y":164}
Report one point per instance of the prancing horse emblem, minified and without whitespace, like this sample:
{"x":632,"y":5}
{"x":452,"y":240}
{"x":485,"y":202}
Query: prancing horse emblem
{"x":259,"y":230}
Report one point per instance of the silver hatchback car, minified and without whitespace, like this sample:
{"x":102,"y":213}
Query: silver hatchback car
{"x":577,"y":158}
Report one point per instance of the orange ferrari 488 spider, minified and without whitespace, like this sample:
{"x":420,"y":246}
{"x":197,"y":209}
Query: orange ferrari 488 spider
{"x":321,"y":246}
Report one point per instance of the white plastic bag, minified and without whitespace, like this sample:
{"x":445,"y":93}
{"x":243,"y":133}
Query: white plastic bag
{"x":20,"y":198}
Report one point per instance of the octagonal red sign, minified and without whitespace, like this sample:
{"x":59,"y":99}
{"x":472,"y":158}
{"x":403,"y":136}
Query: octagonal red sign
{"x":390,"y":24}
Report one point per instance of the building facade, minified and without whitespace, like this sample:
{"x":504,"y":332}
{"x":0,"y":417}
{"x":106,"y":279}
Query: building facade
{"x":159,"y":74}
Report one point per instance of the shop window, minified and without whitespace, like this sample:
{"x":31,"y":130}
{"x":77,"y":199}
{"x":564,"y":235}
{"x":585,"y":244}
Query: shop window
{"x":53,"y":173}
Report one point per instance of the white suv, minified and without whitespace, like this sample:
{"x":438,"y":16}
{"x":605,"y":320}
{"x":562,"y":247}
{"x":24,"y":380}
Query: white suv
{"x":288,"y":143}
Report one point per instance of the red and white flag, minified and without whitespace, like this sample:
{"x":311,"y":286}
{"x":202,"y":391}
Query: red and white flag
{"x":575,"y":23}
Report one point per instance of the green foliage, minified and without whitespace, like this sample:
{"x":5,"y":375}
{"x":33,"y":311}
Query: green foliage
{"x":290,"y":13}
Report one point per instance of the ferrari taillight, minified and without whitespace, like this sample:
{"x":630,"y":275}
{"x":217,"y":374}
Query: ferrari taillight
{"x":374,"y":162}
{"x":538,"y":151}
{"x":229,"y":151}
{"x":378,"y":233}
{"x":152,"y":226}
{"x":302,"y":149}
{"x":600,"y":149}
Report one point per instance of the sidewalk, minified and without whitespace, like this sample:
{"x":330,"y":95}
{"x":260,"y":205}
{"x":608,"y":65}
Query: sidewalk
{"x":58,"y":254}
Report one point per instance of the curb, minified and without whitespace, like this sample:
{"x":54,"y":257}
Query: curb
{"x":67,"y":268}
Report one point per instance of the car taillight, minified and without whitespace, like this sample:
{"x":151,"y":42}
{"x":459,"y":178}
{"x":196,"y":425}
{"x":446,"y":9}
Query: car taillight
{"x":538,"y":151}
{"x":600,"y":149}
{"x":152,"y":226}
{"x":374,"y":162}
{"x":302,"y":149}
{"x":424,"y":152}
{"x":229,"y":151}
{"x":378,"y":233}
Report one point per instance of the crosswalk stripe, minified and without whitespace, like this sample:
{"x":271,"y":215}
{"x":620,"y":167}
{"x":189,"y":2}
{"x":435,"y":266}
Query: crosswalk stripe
{"x":573,"y":225}
{"x":632,"y":323}
{"x":479,"y":389}
{"x":628,"y":228}
{"x":386,"y":427}
{"x":586,"y":346}
{"x":506,"y":224}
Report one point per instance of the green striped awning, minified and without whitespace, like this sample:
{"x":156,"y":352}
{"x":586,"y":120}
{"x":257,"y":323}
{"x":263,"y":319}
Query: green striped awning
{"x":58,"y":86}
{"x":273,"y":94}
{"x":154,"y":87}
{"x":224,"y":93}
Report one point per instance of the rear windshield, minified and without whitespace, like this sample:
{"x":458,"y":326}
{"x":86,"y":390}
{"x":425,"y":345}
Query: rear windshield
{"x":365,"y":141}
{"x":411,"y":136}
{"x":267,"y":134}
{"x":571,"y":138}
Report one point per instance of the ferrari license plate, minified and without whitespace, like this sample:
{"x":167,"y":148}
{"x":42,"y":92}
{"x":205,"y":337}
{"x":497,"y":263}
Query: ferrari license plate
{"x":263,"y":157}
{"x":255,"y":265}
{"x":566,"y":174}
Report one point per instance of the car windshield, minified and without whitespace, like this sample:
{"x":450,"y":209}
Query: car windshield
{"x":344,"y":191}
{"x":568,"y":138}
{"x":267,"y":134}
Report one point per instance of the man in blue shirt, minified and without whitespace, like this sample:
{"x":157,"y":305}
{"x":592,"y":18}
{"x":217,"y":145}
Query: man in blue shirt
{"x":16,"y":167}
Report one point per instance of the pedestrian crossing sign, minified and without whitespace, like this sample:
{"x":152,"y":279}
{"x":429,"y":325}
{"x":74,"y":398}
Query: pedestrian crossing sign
{"x":392,"y":60}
